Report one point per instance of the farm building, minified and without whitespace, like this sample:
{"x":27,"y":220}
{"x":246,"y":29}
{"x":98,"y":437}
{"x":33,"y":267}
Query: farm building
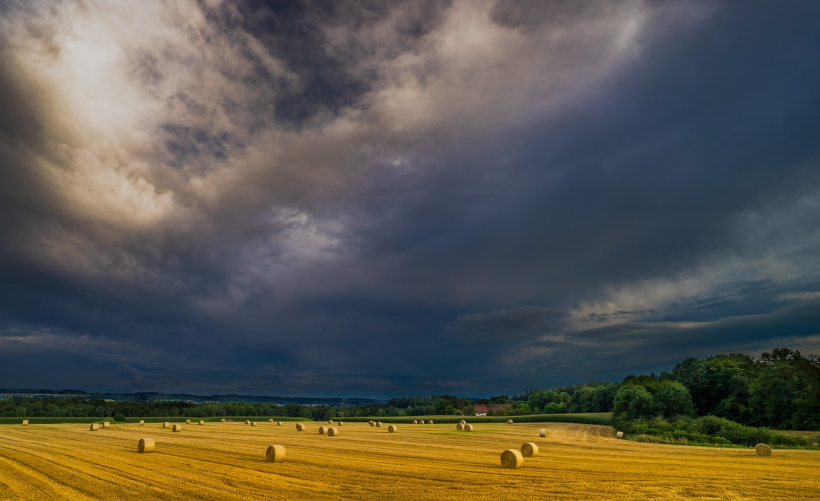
{"x":482,"y":409}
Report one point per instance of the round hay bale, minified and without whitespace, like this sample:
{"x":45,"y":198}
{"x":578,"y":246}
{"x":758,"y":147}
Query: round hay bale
{"x":542,"y":432}
{"x":372,"y":423}
{"x":146,"y":445}
{"x":379,"y":424}
{"x":509,"y":421}
{"x":279,"y":423}
{"x":430,"y":422}
{"x":201,"y":423}
{"x":329,"y":421}
{"x":222,"y":420}
{"x":187,"y":421}
{"x":340,"y":423}
{"x":247,"y":421}
{"x":332,"y":432}
{"x":253,"y":423}
{"x":142,"y":422}
{"x":270,"y":421}
{"x":469,"y":427}
{"x":763,"y":450}
{"x":95,"y":427}
{"x":415,"y":421}
{"x":462,"y":422}
{"x":511,"y":458}
{"x":25,"y":422}
{"x":459,"y":427}
{"x":321,"y":430}
{"x":620,"y":434}
{"x":176,"y":428}
{"x":166,"y":425}
{"x":275,"y":453}
{"x":392,"y":428}
{"x":106,"y":425}
{"x":421,"y":422}
{"x":300,"y":427}
{"x":529,"y":450}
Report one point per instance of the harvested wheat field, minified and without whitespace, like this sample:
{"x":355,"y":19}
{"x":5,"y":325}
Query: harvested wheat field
{"x":228,"y":461}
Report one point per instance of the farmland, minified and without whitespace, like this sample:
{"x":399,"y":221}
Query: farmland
{"x":227,"y":461}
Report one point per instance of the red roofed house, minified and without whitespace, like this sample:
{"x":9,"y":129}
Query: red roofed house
{"x":481,"y":409}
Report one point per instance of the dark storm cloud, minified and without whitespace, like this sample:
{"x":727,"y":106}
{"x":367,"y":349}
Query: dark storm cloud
{"x":381,"y":197}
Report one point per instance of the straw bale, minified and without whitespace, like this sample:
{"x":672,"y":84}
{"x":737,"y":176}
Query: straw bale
{"x":511,"y":458}
{"x":529,"y":450}
{"x":146,"y":445}
{"x":275,"y":453}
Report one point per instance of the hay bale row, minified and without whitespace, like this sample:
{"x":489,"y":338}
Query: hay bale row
{"x":146,"y":445}
{"x":511,"y":458}
{"x":529,"y":449}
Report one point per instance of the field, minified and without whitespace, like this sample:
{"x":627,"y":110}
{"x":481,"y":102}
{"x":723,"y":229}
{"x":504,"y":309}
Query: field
{"x":227,"y":461}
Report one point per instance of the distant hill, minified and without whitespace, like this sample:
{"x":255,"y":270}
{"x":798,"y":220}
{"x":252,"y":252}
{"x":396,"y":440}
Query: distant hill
{"x":182,"y":397}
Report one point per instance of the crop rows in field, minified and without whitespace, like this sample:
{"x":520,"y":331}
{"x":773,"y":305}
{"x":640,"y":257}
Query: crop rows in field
{"x":227,"y":461}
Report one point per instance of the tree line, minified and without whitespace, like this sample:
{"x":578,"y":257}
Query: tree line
{"x":780,"y":389}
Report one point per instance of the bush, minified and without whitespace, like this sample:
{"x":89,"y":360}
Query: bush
{"x":119,"y":417}
{"x":706,"y":430}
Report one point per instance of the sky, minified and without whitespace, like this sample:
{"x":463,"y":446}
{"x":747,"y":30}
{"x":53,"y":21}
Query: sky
{"x":385,"y":198}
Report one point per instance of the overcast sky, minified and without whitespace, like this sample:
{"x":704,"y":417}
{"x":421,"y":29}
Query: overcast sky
{"x":402,"y":198}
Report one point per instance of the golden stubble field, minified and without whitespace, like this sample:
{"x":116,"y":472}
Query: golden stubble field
{"x":226,"y":461}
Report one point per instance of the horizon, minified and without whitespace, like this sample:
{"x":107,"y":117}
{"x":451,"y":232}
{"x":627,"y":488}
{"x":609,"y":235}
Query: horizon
{"x":402,"y":198}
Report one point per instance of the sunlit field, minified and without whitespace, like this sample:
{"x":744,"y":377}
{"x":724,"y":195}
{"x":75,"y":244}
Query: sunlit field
{"x":227,"y":461}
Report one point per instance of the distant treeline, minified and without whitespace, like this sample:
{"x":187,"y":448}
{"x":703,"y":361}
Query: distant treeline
{"x":149,"y":397}
{"x":779,"y":390}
